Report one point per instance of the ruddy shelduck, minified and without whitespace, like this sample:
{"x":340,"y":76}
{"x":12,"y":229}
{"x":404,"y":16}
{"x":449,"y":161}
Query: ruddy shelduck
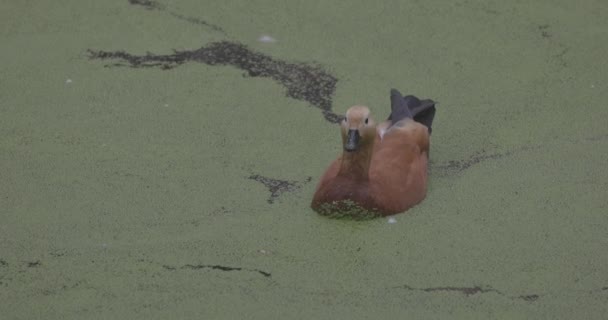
{"x":383,"y":168}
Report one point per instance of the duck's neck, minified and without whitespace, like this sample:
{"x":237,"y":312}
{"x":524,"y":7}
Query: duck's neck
{"x":356,"y":164}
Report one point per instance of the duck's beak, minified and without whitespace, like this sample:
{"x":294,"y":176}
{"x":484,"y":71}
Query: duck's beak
{"x":352,"y":140}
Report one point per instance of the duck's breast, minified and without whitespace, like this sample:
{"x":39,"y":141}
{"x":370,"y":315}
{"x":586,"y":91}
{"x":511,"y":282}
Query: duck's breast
{"x":343,"y":196}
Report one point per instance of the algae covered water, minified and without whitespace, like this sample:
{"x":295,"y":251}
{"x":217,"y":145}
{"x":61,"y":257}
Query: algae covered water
{"x":157,"y":159}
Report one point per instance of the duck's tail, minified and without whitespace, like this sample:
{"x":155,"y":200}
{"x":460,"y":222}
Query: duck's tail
{"x":422,"y":111}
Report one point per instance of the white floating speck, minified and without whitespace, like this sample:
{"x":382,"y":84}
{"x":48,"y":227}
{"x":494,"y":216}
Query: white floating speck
{"x":267,"y":39}
{"x":592,"y":86}
{"x":68,"y":81}
{"x":166,"y":105}
{"x":392,"y":220}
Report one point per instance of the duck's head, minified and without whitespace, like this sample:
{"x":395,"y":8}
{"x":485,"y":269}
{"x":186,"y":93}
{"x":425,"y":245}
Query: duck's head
{"x":358,"y":128}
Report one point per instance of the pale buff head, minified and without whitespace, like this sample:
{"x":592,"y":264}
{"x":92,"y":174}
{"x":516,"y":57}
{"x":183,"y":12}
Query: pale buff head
{"x":358,"y":129}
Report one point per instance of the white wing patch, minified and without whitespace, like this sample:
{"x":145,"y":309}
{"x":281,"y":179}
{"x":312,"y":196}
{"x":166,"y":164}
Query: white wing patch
{"x":381,"y":132}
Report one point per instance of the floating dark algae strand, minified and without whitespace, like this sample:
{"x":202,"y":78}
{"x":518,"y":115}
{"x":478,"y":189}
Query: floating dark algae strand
{"x":277,"y":186}
{"x":461,"y":165}
{"x":302,"y":81}
{"x":470,"y":291}
{"x":216,"y":267}
{"x":479,"y":157}
{"x":34,"y":264}
{"x":530,"y":297}
{"x":148,"y":4}
{"x":153,"y":5}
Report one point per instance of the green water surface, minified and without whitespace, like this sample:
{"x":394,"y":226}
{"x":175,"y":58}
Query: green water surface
{"x":125,"y":192}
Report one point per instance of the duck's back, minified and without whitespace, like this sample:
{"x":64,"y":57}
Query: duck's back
{"x":398,"y":170}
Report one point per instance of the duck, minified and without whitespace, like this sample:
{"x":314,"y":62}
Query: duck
{"x":383,"y":167}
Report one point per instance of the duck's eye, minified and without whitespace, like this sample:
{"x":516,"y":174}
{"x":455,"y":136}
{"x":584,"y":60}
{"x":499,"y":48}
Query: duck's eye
{"x":366,"y":120}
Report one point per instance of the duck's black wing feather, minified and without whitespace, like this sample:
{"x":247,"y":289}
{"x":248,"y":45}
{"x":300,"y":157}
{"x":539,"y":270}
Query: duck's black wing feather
{"x":410,"y":106}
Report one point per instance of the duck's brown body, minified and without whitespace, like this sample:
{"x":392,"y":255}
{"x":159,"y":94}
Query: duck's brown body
{"x":387,"y":174}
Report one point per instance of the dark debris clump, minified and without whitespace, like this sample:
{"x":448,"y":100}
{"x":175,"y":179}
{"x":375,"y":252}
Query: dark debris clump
{"x":276,"y":186}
